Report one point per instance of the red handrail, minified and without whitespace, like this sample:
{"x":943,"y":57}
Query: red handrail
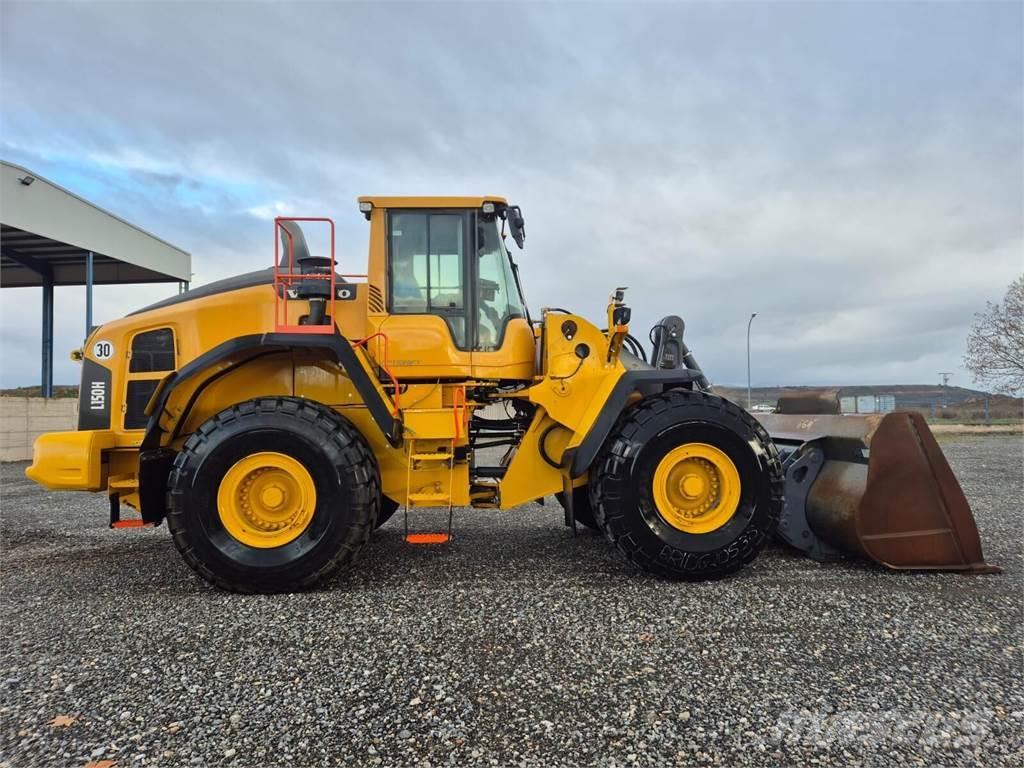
{"x":384,"y":364}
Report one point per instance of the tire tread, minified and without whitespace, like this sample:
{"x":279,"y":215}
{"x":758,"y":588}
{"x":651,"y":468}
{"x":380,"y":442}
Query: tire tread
{"x":611,"y":474}
{"x":331,"y":427}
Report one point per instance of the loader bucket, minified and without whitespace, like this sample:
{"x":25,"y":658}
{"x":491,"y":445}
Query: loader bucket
{"x":874,"y":486}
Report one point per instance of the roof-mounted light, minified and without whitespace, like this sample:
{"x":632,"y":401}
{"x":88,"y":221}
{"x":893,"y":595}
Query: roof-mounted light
{"x":487,"y":208}
{"x":366,"y":206}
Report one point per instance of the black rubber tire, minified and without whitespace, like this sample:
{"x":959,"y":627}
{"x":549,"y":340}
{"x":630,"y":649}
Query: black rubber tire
{"x":388,"y":507}
{"x":581,"y":506}
{"x":337,"y":457}
{"x":621,"y":485}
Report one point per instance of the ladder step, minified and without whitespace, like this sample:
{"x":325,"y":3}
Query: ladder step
{"x":131,"y":523}
{"x":417,"y":497}
{"x":427,"y":538}
{"x":431,"y":457}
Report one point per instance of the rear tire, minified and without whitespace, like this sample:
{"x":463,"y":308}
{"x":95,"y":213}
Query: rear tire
{"x":333,"y":466}
{"x":626,"y":504}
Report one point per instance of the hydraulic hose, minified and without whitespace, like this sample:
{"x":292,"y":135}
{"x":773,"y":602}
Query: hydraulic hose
{"x":701,"y":381}
{"x":543,"y":450}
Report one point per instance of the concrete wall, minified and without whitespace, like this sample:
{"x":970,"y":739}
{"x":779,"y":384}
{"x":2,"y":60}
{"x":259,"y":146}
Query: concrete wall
{"x":23,"y":419}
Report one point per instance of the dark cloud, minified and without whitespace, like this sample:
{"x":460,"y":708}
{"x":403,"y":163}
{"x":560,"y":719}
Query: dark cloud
{"x":850,"y":172}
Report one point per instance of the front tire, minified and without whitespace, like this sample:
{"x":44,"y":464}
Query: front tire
{"x":688,"y":486}
{"x":273,"y":495}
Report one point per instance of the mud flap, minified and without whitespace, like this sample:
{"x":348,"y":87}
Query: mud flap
{"x":154,"y":469}
{"x":874,"y":486}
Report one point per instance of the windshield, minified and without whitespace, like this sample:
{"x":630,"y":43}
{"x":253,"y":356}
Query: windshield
{"x":499,"y":297}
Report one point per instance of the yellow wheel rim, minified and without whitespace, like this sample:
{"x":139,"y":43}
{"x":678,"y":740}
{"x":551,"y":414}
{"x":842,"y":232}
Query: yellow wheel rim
{"x":696,"y":488}
{"x":266,"y":500}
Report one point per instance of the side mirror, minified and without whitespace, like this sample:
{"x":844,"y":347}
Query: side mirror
{"x":516,"y":224}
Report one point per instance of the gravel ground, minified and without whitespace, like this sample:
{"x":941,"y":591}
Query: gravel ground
{"x":517,"y":644}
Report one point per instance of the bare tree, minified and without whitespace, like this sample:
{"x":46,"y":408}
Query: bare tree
{"x":995,"y":346}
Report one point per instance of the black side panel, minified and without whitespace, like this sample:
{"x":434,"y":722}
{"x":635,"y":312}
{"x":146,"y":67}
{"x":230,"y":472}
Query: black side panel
{"x":94,"y":396}
{"x":337,"y":345}
{"x":139,"y":393}
{"x":646,"y":382}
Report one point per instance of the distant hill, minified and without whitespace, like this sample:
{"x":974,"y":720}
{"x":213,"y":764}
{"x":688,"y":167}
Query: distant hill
{"x":59,"y":390}
{"x":935,"y":402}
{"x":911,"y":396}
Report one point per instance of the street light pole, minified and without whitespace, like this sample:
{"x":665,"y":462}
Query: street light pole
{"x":751,"y":320}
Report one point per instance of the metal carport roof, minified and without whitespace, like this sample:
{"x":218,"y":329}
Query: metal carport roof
{"x":51,"y":237}
{"x":44,"y":226}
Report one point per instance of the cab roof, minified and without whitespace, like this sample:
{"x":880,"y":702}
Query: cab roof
{"x":382,"y":201}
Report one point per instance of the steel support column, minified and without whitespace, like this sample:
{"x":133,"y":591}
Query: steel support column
{"x":751,"y":320}
{"x":88,"y":294}
{"x":47,"y":372}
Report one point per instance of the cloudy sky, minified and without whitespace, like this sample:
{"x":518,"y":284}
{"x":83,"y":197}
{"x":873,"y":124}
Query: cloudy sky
{"x":853,"y":173}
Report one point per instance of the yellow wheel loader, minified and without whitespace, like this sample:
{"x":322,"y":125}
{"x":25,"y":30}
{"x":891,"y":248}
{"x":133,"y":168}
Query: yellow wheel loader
{"x":274,"y":419}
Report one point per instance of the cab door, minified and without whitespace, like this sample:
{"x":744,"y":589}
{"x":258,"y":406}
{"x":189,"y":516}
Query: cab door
{"x":503,"y":341}
{"x":428,"y":324}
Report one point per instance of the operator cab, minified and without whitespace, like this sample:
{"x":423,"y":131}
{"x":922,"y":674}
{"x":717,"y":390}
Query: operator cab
{"x":454,"y":302}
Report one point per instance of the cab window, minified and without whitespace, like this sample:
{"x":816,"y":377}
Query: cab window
{"x":498,"y":296}
{"x":427,"y":267}
{"x":152,"y":351}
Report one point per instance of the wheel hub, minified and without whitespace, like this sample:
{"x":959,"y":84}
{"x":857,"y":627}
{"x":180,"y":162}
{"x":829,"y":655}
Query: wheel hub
{"x":273,"y":497}
{"x":266,"y":499}
{"x":696,"y":488}
{"x":692,"y":486}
